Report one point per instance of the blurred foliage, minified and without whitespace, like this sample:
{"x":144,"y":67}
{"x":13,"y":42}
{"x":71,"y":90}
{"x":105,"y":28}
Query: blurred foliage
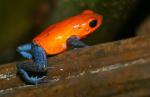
{"x":19,"y":21}
{"x":22,"y":20}
{"x":14,"y":20}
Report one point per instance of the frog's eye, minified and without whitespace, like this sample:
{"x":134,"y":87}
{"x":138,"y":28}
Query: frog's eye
{"x":93,"y":23}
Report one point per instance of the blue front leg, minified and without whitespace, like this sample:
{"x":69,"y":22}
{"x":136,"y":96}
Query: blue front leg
{"x":40,"y":63}
{"x":75,"y":42}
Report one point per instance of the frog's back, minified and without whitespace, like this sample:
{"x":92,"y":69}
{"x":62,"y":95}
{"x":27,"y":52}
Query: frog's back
{"x":53,"y":39}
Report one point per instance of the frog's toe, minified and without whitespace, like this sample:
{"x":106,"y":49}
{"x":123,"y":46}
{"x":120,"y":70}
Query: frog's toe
{"x":36,"y":80}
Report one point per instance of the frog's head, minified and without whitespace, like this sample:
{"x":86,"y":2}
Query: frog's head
{"x":87,"y":22}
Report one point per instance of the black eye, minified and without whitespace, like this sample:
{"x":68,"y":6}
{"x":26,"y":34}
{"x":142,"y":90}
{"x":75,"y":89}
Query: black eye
{"x":93,"y":23}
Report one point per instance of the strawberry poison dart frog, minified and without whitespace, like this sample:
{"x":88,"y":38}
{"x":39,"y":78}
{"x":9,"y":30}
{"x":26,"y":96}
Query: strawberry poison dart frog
{"x":55,"y":39}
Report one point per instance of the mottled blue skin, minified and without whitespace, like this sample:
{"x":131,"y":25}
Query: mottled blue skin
{"x":37,"y":53}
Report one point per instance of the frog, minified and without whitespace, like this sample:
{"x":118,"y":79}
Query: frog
{"x":54,"y":40}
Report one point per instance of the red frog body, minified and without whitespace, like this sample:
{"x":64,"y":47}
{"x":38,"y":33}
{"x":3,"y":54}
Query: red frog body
{"x":53,"y":39}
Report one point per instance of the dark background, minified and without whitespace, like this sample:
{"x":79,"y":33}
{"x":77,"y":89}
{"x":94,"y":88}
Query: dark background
{"x":22,"y":20}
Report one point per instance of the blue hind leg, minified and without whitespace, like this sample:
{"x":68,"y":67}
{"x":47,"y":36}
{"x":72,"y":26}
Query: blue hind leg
{"x":24,"y":50}
{"x":40,"y":58}
{"x":40,"y":65}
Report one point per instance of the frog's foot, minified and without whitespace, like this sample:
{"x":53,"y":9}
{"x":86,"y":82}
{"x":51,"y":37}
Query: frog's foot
{"x":28,"y":72}
{"x":30,"y":79}
{"x":24,"y":50}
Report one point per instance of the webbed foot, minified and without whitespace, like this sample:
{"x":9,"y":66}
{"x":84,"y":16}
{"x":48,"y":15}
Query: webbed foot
{"x":29,"y":74}
{"x":31,"y":80}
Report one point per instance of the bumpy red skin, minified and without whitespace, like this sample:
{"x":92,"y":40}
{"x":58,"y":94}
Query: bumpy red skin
{"x":53,"y":39}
